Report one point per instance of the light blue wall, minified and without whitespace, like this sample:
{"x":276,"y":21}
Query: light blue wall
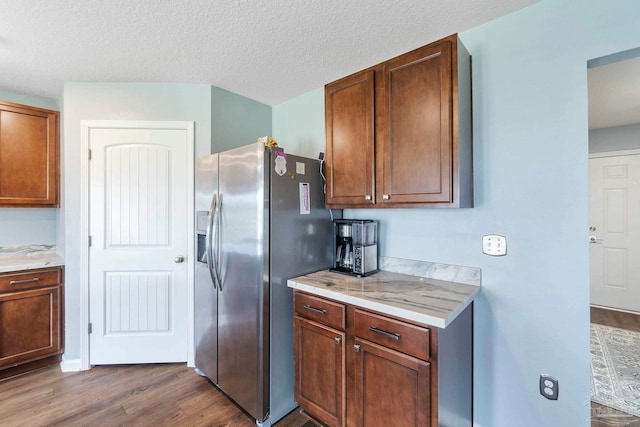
{"x":115,"y":101}
{"x":32,"y":225}
{"x":614,"y":139}
{"x":34,"y":101}
{"x":530,"y":170}
{"x":28,"y":226}
{"x":236,"y":120}
{"x":298,"y":124}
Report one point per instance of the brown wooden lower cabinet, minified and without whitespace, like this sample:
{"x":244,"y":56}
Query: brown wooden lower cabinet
{"x":320,"y":366}
{"x":376,"y":370}
{"x":31,"y":318}
{"x":388,"y":387}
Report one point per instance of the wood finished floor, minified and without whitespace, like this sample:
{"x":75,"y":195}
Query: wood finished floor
{"x":173,"y":395}
{"x":615,"y":319}
{"x":603,"y":416}
{"x":124,"y":395}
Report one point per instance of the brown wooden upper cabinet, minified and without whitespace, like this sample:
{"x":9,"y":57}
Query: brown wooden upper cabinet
{"x":398,"y":134}
{"x":29,"y":156}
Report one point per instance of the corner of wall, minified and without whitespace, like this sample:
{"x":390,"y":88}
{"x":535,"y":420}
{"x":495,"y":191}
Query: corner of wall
{"x":298,"y":124}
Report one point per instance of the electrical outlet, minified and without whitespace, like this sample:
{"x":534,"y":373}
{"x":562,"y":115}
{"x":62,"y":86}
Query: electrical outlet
{"x":549,"y":387}
{"x":494,"y":245}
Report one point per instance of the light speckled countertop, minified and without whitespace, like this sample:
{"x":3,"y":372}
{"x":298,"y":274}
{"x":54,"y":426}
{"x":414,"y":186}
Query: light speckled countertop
{"x":425,"y":300}
{"x":28,"y":257}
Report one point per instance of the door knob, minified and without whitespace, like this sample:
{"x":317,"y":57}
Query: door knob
{"x":593,"y":239}
{"x":178,"y":259}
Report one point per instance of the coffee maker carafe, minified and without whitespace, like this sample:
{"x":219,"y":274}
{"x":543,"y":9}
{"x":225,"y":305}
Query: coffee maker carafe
{"x":356,"y":246}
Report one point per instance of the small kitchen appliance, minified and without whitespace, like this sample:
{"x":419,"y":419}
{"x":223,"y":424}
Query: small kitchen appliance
{"x":356,"y":246}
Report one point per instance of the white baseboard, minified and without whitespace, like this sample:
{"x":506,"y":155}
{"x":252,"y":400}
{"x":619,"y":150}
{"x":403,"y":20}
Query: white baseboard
{"x":70,"y":365}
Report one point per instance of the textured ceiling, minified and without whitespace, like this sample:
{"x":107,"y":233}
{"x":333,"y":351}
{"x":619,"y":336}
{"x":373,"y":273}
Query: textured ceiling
{"x":614,"y":94}
{"x":268,"y":50}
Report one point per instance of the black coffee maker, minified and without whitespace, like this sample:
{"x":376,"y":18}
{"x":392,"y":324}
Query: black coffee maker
{"x":356,"y":246}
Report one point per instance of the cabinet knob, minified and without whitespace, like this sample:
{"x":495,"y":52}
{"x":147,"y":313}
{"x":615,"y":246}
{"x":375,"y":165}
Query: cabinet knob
{"x":367,"y":197}
{"x":356,"y":347}
{"x":385,"y":197}
{"x":338,"y":340}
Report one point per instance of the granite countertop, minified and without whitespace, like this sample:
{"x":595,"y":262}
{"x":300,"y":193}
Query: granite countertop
{"x":427,"y":301}
{"x":28,"y":257}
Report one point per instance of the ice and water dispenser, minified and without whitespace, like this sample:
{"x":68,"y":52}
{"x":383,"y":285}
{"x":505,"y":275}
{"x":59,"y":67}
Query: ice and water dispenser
{"x":356,"y":246}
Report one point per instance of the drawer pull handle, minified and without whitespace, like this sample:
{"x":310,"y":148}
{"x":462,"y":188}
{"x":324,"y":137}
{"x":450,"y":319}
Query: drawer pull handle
{"x":356,"y":347}
{"x":22,"y":282}
{"x":385,"y":333}
{"x":316,"y":310}
{"x":338,"y":340}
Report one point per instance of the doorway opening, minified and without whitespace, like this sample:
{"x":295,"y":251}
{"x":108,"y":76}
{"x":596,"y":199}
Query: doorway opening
{"x":614,"y":237}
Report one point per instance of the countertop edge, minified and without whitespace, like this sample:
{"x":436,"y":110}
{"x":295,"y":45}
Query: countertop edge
{"x":16,"y":258}
{"x":31,"y":266}
{"x":409,"y":315}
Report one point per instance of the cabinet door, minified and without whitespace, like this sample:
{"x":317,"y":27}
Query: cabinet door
{"x":29,"y":326}
{"x":417,"y":143}
{"x":320,"y":371}
{"x":391,"y":388}
{"x":349,"y":121}
{"x":28,"y":156}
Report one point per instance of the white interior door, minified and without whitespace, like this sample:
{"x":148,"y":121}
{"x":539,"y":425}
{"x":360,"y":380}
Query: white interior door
{"x":138,"y":223}
{"x":614,"y":184}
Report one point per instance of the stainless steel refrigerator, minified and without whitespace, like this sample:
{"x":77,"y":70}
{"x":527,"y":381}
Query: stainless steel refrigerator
{"x":260,"y":221}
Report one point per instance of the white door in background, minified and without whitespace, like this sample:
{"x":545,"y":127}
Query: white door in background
{"x":614,"y":235}
{"x":138,"y":216}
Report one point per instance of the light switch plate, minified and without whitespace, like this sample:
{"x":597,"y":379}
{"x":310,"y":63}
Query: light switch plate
{"x":494,"y":245}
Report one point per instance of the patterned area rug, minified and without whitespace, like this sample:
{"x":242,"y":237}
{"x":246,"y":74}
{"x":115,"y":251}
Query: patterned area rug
{"x":615,"y":368}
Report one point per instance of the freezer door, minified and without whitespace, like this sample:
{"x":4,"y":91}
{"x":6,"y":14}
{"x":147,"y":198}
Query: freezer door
{"x":206,"y":181}
{"x":242,"y":299}
{"x":206,"y":330}
{"x":206,"y":298}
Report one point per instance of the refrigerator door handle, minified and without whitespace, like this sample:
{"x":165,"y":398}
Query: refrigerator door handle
{"x":217,"y":249}
{"x":209,"y":242}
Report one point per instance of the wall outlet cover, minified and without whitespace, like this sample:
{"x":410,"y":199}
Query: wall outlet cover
{"x":549,"y":387}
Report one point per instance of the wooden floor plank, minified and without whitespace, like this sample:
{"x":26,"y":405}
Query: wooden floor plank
{"x":615,"y":318}
{"x":136,"y":395}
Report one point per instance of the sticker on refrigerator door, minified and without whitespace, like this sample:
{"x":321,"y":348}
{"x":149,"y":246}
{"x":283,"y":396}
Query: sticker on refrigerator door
{"x":305,"y":199}
{"x":300,"y":168}
{"x":280,"y":163}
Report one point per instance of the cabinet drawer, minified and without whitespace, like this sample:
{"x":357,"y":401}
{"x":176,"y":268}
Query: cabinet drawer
{"x":29,"y":279}
{"x":326,"y":312}
{"x":406,"y":338}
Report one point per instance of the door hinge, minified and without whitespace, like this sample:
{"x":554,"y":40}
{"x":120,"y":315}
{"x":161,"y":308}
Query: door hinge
{"x":89,"y":241}
{"x":90,"y":328}
{"x":89,"y":154}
